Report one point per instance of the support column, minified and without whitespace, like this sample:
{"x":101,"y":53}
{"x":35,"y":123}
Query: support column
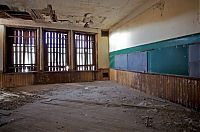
{"x":2,"y":42}
{"x":41,"y":50}
{"x":71,"y":48}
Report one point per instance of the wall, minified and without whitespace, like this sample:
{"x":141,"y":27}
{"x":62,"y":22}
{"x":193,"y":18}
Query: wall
{"x":159,"y":31}
{"x":30,"y":23}
{"x":179,"y":18}
{"x":103,"y":52}
{"x":24,"y":79}
{"x":170,"y":60}
{"x":2,"y":31}
{"x":194,"y":60}
{"x":181,"y":90}
{"x":171,"y":56}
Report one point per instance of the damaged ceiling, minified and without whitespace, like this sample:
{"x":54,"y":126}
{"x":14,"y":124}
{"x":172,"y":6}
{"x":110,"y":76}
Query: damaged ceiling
{"x":85,"y":13}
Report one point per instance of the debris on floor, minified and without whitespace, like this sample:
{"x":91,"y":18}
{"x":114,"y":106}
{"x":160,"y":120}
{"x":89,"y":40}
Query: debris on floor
{"x":91,"y":106}
{"x":10,"y":100}
{"x":148,"y":121}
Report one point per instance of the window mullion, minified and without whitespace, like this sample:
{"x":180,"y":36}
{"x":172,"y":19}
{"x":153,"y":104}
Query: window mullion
{"x":20,"y":50}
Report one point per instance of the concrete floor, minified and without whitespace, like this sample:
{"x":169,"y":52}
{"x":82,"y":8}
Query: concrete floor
{"x":102,"y":106}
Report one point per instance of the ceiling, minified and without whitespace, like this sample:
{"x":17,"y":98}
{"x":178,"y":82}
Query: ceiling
{"x":89,"y":13}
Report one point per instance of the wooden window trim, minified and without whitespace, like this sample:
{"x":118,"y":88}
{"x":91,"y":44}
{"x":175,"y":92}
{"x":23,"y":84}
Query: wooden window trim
{"x":27,"y":45}
{"x":56,"y":50}
{"x":94,"y":51}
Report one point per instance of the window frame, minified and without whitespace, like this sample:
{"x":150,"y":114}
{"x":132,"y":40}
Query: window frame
{"x":7,"y":60}
{"x":95,"y":53}
{"x":67,"y":48}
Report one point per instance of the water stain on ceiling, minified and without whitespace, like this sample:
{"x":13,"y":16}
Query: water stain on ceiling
{"x":86,"y":13}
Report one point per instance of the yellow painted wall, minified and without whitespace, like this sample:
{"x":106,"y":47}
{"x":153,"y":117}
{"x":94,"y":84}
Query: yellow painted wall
{"x":103,"y":52}
{"x":1,"y":46}
{"x":179,"y":18}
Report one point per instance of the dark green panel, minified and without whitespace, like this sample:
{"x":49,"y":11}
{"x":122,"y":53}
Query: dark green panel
{"x":112,"y":61}
{"x":167,"y":47}
{"x":171,"y":60}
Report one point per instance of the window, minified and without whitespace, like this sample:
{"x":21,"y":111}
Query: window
{"x":55,"y":51}
{"x":84,"y":52}
{"x":21,"y":50}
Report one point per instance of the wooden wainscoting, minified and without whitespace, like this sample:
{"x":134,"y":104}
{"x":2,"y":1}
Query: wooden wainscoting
{"x":103,"y":74}
{"x":25,"y":79}
{"x":181,"y":90}
{"x":64,"y":77}
{"x":16,"y":79}
{"x":1,"y":84}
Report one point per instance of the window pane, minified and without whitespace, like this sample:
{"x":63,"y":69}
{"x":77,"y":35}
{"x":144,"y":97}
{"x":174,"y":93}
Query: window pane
{"x":55,"y":51}
{"x":21,"y":50}
{"x":85,"y":55}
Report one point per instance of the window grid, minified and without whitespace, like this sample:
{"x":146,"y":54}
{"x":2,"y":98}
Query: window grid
{"x":23,"y":56}
{"x":85,"y":52}
{"x":56,"y":51}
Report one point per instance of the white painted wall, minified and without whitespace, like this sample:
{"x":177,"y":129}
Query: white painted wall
{"x":180,"y":18}
{"x":1,"y":46}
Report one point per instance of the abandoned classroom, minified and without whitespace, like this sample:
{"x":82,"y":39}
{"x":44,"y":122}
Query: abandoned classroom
{"x":99,"y":65}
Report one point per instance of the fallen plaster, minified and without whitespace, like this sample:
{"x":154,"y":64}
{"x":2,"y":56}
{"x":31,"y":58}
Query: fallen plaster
{"x":7,"y":96}
{"x":96,"y":106}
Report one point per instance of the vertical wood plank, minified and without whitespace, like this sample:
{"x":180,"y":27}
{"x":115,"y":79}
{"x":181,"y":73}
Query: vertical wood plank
{"x":1,"y":80}
{"x":198,"y":94}
{"x":182,"y":90}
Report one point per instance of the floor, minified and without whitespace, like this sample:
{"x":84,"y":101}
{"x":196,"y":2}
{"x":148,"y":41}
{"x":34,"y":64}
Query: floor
{"x":101,"y":106}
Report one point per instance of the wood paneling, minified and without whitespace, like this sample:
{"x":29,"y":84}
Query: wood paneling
{"x":1,"y":80}
{"x":103,"y":74}
{"x":113,"y":75}
{"x":177,"y":89}
{"x":15,"y":80}
{"x":24,"y":79}
{"x":64,"y":77}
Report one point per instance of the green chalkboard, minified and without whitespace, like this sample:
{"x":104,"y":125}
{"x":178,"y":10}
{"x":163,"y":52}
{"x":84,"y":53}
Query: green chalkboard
{"x":170,"y":60}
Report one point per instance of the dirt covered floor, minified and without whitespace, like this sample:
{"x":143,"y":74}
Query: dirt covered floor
{"x":101,"y":106}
